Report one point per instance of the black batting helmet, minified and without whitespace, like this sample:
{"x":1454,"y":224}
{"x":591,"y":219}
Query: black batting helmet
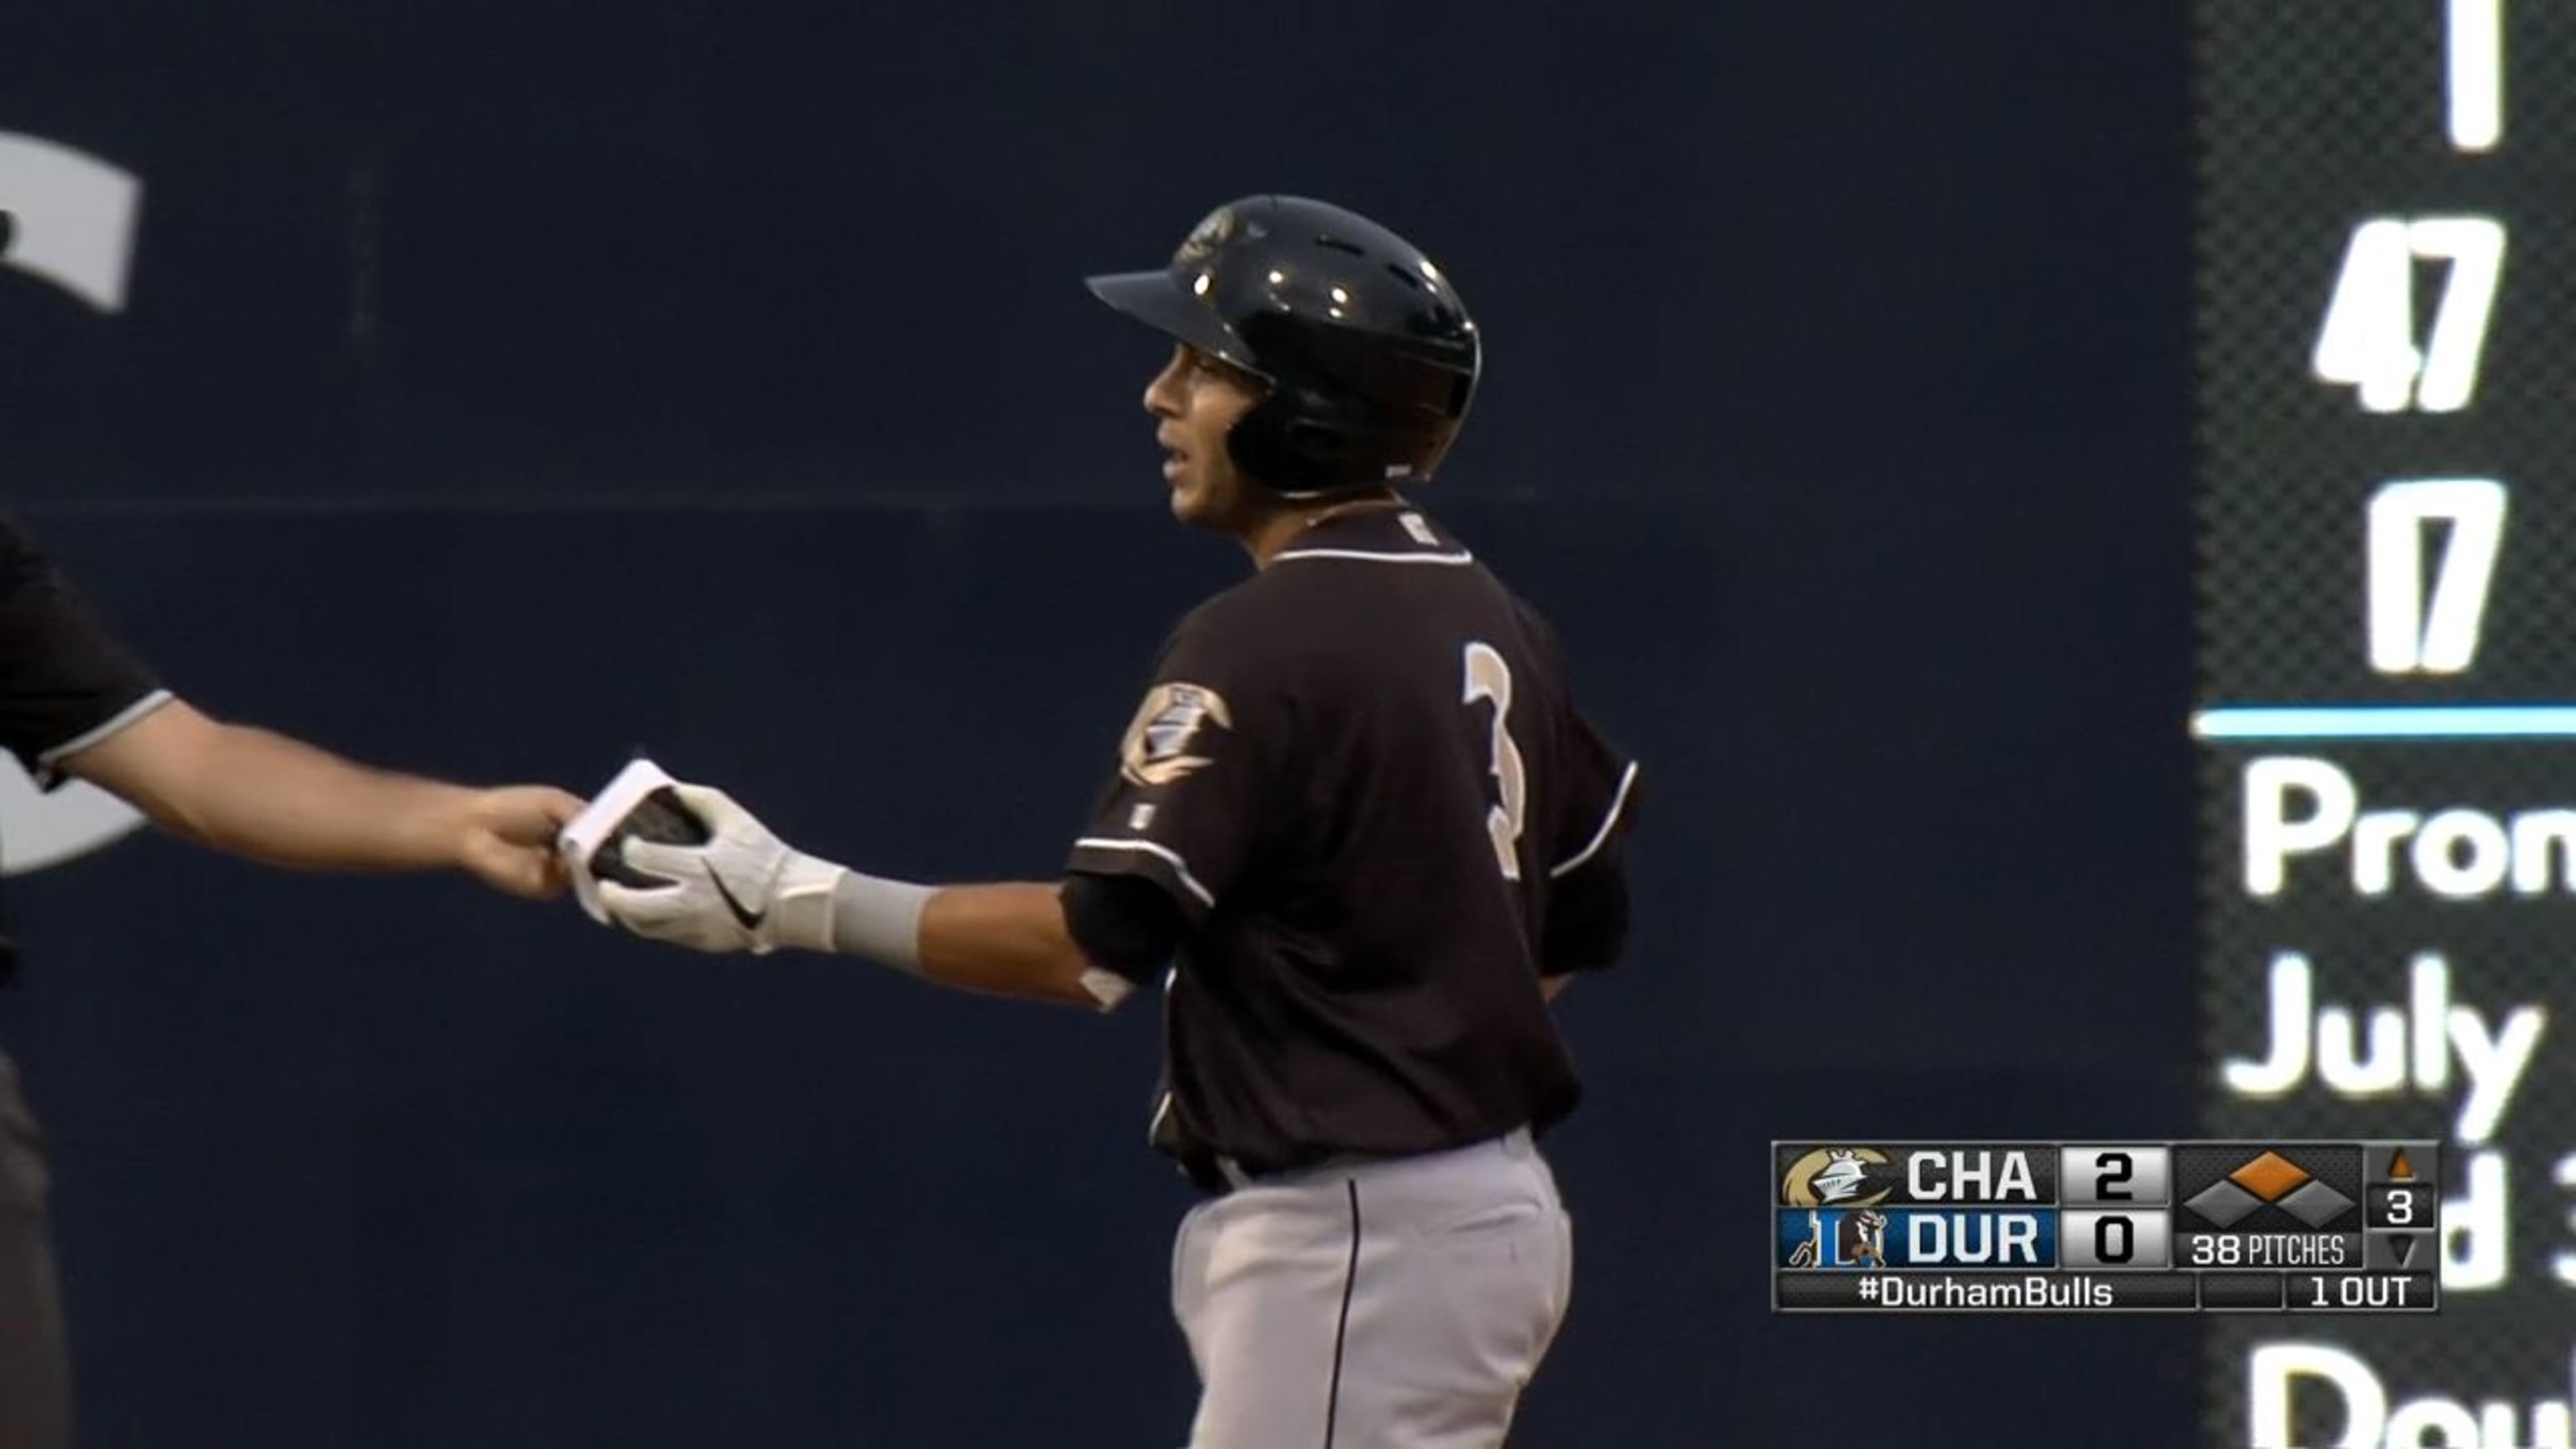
{"x":1369,"y":353}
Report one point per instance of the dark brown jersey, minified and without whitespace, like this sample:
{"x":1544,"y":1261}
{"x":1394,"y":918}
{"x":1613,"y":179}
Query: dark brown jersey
{"x":64,"y":682}
{"x":1361,"y":776}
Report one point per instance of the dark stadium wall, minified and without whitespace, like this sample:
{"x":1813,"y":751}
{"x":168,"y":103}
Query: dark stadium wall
{"x":502,"y":387}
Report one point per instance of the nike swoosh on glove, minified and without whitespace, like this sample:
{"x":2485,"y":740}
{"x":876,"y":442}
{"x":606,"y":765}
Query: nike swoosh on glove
{"x":744,"y":890}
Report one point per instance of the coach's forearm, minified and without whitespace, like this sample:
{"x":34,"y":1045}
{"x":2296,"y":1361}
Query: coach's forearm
{"x":278,"y":799}
{"x":271,"y":798}
{"x":1003,"y":939}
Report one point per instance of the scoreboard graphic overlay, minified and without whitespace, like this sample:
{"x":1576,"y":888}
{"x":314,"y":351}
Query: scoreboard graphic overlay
{"x":2112,"y":1227}
{"x":2385,"y":255}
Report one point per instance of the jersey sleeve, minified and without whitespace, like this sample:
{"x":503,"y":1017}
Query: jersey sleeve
{"x":66,"y":683}
{"x":1598,"y":796}
{"x":1599,"y":802}
{"x":1187,"y":806}
{"x":1587,"y":916}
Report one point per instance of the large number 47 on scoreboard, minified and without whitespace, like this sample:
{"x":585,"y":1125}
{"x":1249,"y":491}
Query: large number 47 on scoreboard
{"x":2368,"y":341}
{"x":2369,"y":337}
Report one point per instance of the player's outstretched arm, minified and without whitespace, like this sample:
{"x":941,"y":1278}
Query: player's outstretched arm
{"x":744,"y":889}
{"x":254,"y":793}
{"x":1006,"y":939}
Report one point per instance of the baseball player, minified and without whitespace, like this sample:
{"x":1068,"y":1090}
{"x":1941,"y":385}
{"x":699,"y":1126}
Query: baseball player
{"x":75,"y":703}
{"x":1358,"y":833}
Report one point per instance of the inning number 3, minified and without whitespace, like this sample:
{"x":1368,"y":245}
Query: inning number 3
{"x":1489,"y":678}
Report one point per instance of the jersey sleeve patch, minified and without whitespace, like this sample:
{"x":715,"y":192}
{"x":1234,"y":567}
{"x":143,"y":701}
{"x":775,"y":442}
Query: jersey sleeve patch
{"x":1172,"y":733}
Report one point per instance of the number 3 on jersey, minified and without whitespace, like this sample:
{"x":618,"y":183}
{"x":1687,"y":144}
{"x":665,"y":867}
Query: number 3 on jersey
{"x":1489,"y":678}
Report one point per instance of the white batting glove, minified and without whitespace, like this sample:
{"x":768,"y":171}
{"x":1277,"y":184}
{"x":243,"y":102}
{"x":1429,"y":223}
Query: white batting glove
{"x":744,"y":890}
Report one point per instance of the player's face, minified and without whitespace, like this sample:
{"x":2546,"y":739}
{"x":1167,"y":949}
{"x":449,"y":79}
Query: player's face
{"x":1196,"y":401}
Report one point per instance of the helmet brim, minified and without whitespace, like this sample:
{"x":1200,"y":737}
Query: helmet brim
{"x":1158,"y":300}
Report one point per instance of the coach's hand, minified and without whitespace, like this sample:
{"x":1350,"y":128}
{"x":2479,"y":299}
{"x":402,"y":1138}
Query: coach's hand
{"x":507,"y":838}
{"x":744,"y":890}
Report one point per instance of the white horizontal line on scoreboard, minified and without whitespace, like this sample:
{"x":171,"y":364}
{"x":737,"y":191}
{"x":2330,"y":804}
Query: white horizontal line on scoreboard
{"x":2387,"y":722}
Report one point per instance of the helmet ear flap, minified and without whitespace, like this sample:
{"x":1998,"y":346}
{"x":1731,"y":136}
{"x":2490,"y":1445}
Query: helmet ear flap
{"x":1301,"y":441}
{"x":1267,"y":448}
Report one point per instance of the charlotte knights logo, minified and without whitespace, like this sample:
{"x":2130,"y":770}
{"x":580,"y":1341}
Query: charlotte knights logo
{"x":1171,"y":732}
{"x":1837,"y":1177}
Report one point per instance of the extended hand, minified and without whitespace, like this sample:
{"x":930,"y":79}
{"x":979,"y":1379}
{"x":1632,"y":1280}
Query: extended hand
{"x":509,"y":836}
{"x":744,"y":890}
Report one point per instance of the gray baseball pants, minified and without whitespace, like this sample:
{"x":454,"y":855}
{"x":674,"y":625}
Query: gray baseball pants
{"x":1392,"y":1304}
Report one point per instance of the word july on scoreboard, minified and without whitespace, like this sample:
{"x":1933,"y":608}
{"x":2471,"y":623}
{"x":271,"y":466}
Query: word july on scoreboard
{"x":2176,"y":1227}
